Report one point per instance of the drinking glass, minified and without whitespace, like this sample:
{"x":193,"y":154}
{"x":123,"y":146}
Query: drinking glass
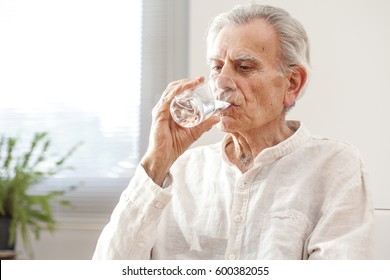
{"x":191,"y":107}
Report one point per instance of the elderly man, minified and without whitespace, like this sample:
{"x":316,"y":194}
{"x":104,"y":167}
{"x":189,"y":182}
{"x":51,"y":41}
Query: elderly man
{"x":269,"y":190}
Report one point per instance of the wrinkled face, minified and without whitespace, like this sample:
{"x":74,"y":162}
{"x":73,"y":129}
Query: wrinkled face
{"x":249,"y":55}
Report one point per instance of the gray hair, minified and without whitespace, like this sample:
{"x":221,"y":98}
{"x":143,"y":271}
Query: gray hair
{"x":294,"y":44}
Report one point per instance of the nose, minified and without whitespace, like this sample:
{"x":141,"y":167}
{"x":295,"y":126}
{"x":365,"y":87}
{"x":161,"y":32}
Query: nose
{"x":224,"y":83}
{"x":225,"y":88}
{"x":227,"y":70}
{"x":226,"y":76}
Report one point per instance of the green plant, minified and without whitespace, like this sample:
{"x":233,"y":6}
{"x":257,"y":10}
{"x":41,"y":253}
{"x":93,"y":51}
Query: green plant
{"x":19,"y":172}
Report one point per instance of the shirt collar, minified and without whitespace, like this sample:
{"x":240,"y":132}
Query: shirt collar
{"x":300,"y":136}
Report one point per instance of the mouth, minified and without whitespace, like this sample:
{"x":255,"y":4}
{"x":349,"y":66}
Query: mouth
{"x":232,"y":105}
{"x":228,"y":111}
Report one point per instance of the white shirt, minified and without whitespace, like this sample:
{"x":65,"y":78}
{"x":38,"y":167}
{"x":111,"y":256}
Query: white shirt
{"x":305,"y":198}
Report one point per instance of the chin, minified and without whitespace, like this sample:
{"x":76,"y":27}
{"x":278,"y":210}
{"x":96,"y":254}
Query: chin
{"x":227,"y":124}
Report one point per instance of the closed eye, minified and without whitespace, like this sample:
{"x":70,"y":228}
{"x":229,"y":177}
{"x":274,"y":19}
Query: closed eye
{"x":246,"y":63}
{"x":246,"y":68}
{"x":215,"y":69}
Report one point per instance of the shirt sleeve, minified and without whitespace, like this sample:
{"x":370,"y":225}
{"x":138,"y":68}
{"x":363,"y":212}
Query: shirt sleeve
{"x":346,"y":227}
{"x":132,"y":229}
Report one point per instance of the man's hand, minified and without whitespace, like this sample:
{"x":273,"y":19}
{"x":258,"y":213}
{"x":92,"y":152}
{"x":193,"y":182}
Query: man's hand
{"x":168,"y":140}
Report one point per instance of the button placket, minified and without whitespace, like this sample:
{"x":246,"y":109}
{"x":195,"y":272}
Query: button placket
{"x":239,"y":208}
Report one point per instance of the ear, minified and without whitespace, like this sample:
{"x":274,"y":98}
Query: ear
{"x":297,"y":79}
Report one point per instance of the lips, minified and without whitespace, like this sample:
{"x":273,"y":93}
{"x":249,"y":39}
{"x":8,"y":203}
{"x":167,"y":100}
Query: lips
{"x":228,"y":111}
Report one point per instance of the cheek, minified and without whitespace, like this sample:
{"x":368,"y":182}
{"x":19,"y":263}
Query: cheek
{"x":262,"y":104}
{"x":255,"y":98}
{"x":260,"y":98}
{"x":270,"y":96}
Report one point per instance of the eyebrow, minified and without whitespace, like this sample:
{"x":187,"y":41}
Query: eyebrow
{"x":246,"y":57}
{"x":213,"y":58}
{"x":241,"y":57}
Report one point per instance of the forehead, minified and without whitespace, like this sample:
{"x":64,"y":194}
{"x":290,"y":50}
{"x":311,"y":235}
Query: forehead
{"x":257,"y":39}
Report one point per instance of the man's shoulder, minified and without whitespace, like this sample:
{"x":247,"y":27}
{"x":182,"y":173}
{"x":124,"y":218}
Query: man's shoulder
{"x":334,"y":150}
{"x":334,"y":144}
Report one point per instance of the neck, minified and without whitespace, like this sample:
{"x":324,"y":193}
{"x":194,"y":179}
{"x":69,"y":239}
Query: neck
{"x":243,"y":147}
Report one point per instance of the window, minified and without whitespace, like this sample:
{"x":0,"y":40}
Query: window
{"x":73,"y":68}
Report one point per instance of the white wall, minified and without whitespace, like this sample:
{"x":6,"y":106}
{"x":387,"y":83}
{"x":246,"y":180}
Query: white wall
{"x":348,"y":96}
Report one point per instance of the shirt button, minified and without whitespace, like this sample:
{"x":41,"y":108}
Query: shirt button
{"x":232,"y":257}
{"x":243,"y":185}
{"x":158,"y":204}
{"x":141,"y":244}
{"x":237,"y":218}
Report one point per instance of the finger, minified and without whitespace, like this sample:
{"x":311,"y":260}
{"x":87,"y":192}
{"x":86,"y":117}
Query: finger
{"x":173,"y":89}
{"x":193,"y":83}
{"x":178,"y":87}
